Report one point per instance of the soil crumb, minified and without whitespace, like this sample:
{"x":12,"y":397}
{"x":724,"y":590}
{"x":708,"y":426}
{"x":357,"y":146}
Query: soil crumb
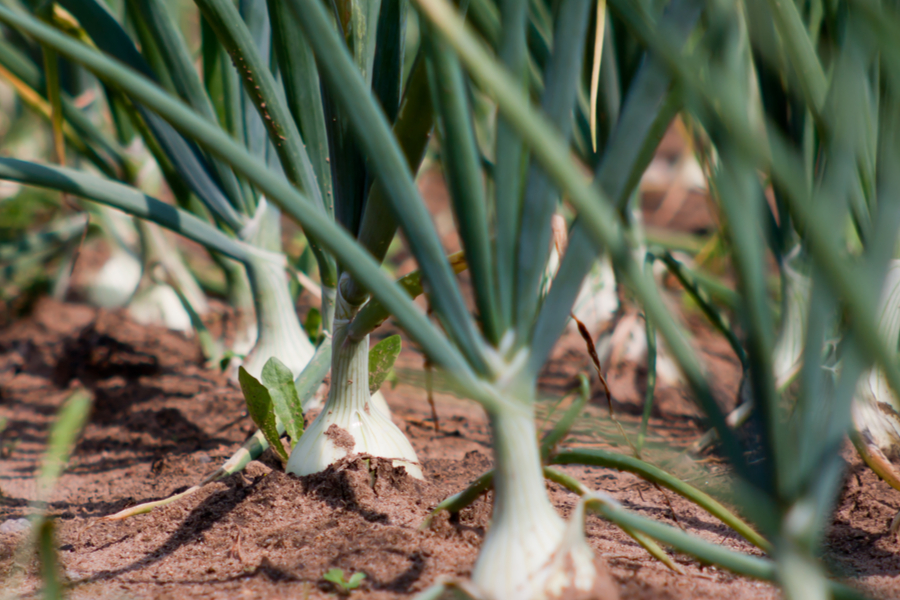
{"x":340,"y":437}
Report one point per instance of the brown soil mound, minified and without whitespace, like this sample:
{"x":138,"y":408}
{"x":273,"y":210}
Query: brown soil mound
{"x":161,"y":421}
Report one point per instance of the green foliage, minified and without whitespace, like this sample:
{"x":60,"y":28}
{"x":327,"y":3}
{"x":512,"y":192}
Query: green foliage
{"x":64,"y":432}
{"x":23,"y":211}
{"x":261,"y":409}
{"x":49,"y":561}
{"x":345,"y":586}
{"x":286,"y":404}
{"x":382,"y":357}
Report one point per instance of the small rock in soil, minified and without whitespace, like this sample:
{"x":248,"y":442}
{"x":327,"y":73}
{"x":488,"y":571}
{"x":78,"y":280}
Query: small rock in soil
{"x":13,"y":526}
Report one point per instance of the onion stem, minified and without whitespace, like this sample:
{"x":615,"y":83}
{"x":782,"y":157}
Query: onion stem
{"x":280,"y":333}
{"x":350,"y":422}
{"x":520,"y":556}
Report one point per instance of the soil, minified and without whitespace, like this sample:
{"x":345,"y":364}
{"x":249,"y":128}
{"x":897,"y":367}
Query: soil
{"x":161,"y":420}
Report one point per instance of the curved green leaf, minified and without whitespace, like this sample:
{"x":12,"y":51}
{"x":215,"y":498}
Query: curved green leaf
{"x":614,"y":460}
{"x":126,"y":199}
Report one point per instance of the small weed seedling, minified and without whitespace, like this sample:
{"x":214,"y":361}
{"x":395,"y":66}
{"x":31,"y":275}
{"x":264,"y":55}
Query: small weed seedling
{"x":344,"y":586}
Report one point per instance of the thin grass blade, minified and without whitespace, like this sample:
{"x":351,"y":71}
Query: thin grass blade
{"x":597,"y":57}
{"x":614,"y":460}
{"x":63,"y":434}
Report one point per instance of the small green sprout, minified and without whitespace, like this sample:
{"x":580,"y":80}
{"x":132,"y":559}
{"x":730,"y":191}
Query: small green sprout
{"x":345,"y":586}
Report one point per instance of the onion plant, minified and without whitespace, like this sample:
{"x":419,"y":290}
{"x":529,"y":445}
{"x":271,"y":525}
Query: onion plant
{"x":808,"y":99}
{"x":193,"y":176}
{"x":876,"y":410}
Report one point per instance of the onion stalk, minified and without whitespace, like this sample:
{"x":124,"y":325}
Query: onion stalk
{"x":787,"y":358}
{"x":875,"y":407}
{"x":280,"y":332}
{"x":160,"y":304}
{"x":529,"y":552}
{"x":350,"y":422}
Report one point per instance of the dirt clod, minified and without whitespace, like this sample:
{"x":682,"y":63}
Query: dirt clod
{"x":340,"y":437}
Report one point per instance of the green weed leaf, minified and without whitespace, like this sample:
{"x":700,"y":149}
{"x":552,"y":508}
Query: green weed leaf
{"x":355,"y":580}
{"x":260,"y":407}
{"x":336,"y":576}
{"x":279,"y":381}
{"x":381,"y":360}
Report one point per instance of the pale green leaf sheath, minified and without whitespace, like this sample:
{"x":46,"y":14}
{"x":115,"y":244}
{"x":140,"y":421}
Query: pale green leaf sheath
{"x":350,"y":422}
{"x":526,"y":536}
{"x":876,"y":410}
{"x":787,"y":357}
{"x":280,"y":332}
{"x":517,"y":556}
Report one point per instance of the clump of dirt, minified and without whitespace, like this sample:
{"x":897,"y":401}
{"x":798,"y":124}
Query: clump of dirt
{"x":162,"y":420}
{"x":341,"y":438}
